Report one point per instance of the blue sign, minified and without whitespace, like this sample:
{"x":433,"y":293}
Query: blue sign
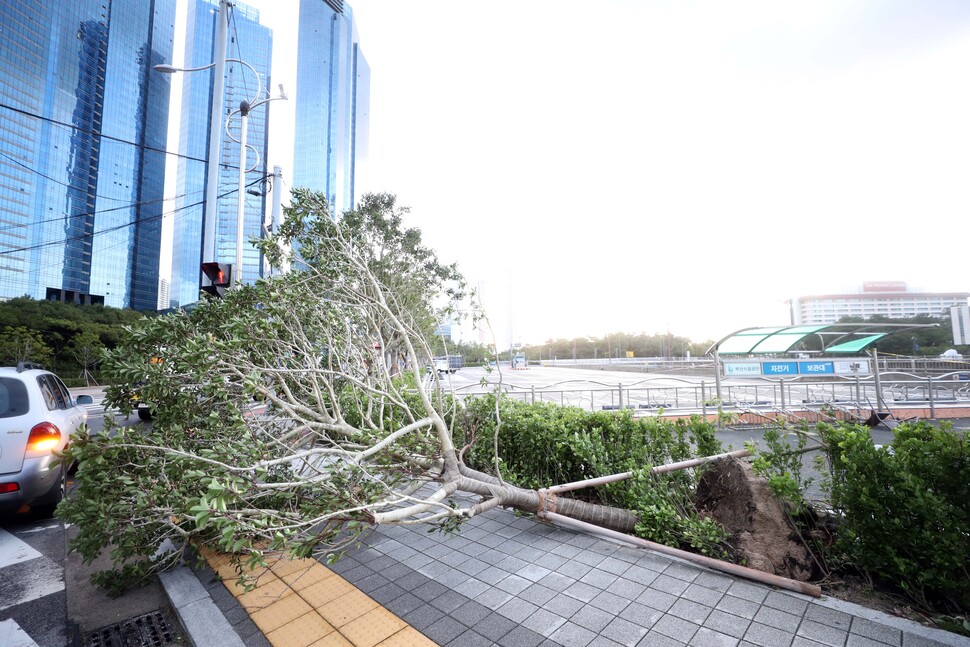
{"x":816,"y":368}
{"x":780,"y":368}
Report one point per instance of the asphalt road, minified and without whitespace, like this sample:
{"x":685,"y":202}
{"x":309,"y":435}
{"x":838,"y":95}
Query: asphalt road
{"x":46,"y":597}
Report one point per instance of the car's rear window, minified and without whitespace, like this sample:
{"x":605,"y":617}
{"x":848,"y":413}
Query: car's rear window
{"x":13,"y":398}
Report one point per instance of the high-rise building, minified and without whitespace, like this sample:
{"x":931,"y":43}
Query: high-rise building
{"x":251,"y":42}
{"x":332,"y":103}
{"x":877,"y":298}
{"x":83,"y":127}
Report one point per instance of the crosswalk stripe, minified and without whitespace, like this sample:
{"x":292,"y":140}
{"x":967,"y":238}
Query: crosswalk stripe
{"x":11,"y":635}
{"x":14,"y":551}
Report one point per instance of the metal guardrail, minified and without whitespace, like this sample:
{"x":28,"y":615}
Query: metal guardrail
{"x":898,"y":390}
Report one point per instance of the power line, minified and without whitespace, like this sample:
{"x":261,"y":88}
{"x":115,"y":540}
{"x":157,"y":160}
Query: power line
{"x":62,"y":241}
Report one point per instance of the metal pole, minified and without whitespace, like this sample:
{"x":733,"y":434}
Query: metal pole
{"x":875,"y":359}
{"x":717,"y":386}
{"x":215,"y":135}
{"x":237,"y":271}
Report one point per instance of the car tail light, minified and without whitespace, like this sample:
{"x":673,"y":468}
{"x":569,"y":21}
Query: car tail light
{"x":44,"y":437}
{"x":7,"y":488}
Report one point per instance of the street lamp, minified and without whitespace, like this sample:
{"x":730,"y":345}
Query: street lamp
{"x":244,"y":108}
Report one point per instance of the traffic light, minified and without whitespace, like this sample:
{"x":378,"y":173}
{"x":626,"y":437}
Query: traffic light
{"x":220,"y":277}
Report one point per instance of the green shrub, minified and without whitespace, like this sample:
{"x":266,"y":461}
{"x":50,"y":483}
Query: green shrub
{"x":905,"y":510}
{"x":544,"y":444}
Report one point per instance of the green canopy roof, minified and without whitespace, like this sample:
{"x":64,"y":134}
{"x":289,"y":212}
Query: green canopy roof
{"x":832,"y":338}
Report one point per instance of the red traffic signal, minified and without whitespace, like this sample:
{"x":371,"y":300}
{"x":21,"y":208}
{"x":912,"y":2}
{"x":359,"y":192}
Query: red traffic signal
{"x":220,"y":277}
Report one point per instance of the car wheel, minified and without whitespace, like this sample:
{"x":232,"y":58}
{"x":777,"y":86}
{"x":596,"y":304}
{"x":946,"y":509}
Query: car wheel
{"x":45,"y":509}
{"x":144,"y":413}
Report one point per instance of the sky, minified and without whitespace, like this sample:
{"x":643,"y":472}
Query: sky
{"x":646,"y":166}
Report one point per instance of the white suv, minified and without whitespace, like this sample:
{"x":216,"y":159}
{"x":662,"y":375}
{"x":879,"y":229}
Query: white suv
{"x":37,"y":418}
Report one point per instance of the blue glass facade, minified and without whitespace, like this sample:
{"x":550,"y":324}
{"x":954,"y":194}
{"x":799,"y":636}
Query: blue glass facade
{"x":250,"y":42}
{"x":83,"y":125}
{"x":332,"y":102}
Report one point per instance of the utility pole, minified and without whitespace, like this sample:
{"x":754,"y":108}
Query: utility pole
{"x":215,"y":135}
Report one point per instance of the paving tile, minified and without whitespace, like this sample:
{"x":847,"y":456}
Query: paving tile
{"x":530,"y":554}
{"x":544,"y":622}
{"x":472,"y":566}
{"x":589,"y":558}
{"x":629,"y":554}
{"x":514,"y":584}
{"x":494,"y":626}
{"x":492,"y":575}
{"x":430,"y":590}
{"x":592,"y":618}
{"x":372,"y":628}
{"x":801,"y":641}
{"x":300,"y":631}
{"x":444,"y":630}
{"x":347,"y":607}
{"x":449,"y":601}
{"x":517,"y":610}
{"x":624,"y":632}
{"x":690,"y":610}
{"x":533,"y":572}
{"x":521,"y":637}
{"x":748,"y":591}
{"x":404,"y":604}
{"x":777,"y":619}
{"x":452,"y":578}
{"x":829,"y":617}
{"x":654,"y":562}
{"x":412,"y":580}
{"x":708,"y":638}
{"x":682,"y":571}
{"x":371,"y":582}
{"x":790,"y":603}
{"x":387,"y":593}
{"x":654,"y":639}
{"x":614,"y":565}
{"x":726,"y":623}
{"x":759,"y":634}
{"x":423,"y":617}
{"x":821,"y":633}
{"x":279,"y":613}
{"x":582,"y":591}
{"x":472,"y":639}
{"x":265,"y":594}
{"x":714,"y":581}
{"x":912,"y":640}
{"x":672,"y":585}
{"x":702,"y":595}
{"x":472,"y":588}
{"x":737,"y":606}
{"x":641,"y":575}
{"x":572,"y":635}
{"x":855,"y":640}
{"x":641,"y":615}
{"x":657,"y":599}
{"x":676,"y":628}
{"x":599,"y":579}
{"x":626,"y":588}
{"x":876,"y":631}
{"x":512,"y":564}
{"x":564,"y":605}
{"x":493,"y":598}
{"x":434,"y":570}
{"x":332,"y":640}
{"x":581,"y":540}
{"x":416,"y":561}
{"x":551,"y":561}
{"x":537,"y":594}
{"x":610,"y":602}
{"x":574,"y":569}
{"x":470,"y":613}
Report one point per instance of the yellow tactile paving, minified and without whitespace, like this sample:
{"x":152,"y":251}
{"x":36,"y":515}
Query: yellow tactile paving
{"x":302,"y":603}
{"x":347,"y":607}
{"x":371,"y":628}
{"x":279,"y":613}
{"x":408,"y":637}
{"x":306,"y":630}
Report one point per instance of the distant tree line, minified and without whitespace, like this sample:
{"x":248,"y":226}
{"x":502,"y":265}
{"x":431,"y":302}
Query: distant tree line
{"x":65,"y":338}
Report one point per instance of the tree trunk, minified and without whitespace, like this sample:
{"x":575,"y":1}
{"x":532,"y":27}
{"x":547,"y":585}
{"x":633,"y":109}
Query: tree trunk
{"x":537,"y":501}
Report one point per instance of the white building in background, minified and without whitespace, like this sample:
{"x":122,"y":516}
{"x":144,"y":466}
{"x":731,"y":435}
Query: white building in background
{"x":960,"y":320}
{"x":877,"y":298}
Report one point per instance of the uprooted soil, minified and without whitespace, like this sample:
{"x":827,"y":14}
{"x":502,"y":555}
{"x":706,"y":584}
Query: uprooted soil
{"x":761,"y":534}
{"x":763,"y":538}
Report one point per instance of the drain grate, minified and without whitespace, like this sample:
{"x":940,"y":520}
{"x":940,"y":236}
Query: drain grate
{"x":150,"y":630}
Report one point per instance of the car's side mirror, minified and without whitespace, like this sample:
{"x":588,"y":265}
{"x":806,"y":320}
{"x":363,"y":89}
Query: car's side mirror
{"x":84,"y":399}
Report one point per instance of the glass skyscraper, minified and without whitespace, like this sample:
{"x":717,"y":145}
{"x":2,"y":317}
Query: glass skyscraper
{"x":83,"y":127}
{"x":250,"y":42}
{"x":332,"y":102}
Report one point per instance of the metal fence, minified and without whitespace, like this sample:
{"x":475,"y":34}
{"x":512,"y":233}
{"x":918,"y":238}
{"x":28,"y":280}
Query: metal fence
{"x":898,"y":390}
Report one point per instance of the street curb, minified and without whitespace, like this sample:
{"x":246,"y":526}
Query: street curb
{"x":901,"y":624}
{"x":203,"y":621}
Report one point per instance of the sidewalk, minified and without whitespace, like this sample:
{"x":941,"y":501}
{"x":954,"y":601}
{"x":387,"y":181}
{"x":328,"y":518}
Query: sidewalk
{"x":513,"y":581}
